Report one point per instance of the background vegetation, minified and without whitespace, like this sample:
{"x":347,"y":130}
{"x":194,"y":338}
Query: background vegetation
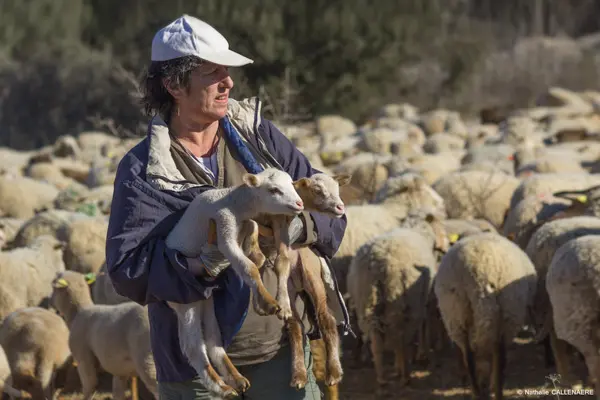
{"x":70,"y":65}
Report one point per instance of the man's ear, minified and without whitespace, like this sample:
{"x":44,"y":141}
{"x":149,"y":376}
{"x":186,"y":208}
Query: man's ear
{"x":343,"y":179}
{"x":302,"y":183}
{"x":173,"y":90}
{"x":251,"y":180}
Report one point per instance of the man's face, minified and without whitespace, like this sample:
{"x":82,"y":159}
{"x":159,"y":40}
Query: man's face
{"x":206,"y":99}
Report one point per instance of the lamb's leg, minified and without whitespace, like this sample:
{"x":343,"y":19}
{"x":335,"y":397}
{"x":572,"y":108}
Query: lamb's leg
{"x":216,"y":351}
{"x":282,"y":264}
{"x":314,"y":286}
{"x":264,"y":303}
{"x":248,"y":237}
{"x":296,"y":338}
{"x":88,"y":374}
{"x":119,"y":386}
{"x":193,"y":346}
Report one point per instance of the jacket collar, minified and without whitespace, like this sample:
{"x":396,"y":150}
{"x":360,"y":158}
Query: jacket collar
{"x":161,"y":171}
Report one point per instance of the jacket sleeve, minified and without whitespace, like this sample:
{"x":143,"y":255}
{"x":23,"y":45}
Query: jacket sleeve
{"x":324,"y":232}
{"x":140,"y":265}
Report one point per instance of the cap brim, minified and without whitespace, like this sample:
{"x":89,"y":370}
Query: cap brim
{"x":228,"y":58}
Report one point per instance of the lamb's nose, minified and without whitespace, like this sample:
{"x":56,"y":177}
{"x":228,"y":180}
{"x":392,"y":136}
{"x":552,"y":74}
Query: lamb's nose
{"x":299,"y":203}
{"x":340,"y":207}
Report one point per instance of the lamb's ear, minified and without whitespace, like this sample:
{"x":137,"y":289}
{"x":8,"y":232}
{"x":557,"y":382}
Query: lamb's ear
{"x":90,"y":278}
{"x":301,"y":183}
{"x":343,"y":179}
{"x":251,"y":180}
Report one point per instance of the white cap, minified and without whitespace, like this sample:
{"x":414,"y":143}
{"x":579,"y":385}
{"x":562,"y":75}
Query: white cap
{"x":190,"y":36}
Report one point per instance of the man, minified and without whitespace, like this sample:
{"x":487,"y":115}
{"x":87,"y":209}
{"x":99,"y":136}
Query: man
{"x":199,"y":139}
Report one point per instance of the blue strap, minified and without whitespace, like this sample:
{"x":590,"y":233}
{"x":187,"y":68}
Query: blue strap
{"x":231,"y":303}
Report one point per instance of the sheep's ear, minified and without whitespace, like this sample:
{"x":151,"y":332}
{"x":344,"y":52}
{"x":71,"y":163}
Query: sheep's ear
{"x":60,"y":246}
{"x":60,"y":283}
{"x":430,"y":217}
{"x":302,"y":183}
{"x":343,"y":179}
{"x":90,"y":278}
{"x":251,"y":180}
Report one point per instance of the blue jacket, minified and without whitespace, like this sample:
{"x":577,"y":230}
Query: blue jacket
{"x":149,"y":198}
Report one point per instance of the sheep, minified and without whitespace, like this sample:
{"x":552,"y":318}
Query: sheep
{"x":541,"y":249}
{"x":572,"y":285}
{"x":500,"y":156}
{"x":476,"y":194}
{"x":21,"y":196}
{"x":443,"y":142}
{"x":26,"y":273}
{"x":529,"y":214}
{"x":429,"y":166}
{"x":51,"y":173}
{"x":398,"y":196}
{"x":270,"y":191}
{"x":319,"y":193}
{"x":389,"y":282}
{"x":539,"y":184}
{"x":85,"y":240}
{"x":461,"y":228}
{"x":37,"y":348}
{"x":94,"y":328}
{"x":44,"y":223}
{"x":8,"y":229}
{"x":103,"y":291}
{"x":484,"y":286}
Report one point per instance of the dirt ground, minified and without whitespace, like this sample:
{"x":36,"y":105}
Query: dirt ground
{"x":443,"y":379}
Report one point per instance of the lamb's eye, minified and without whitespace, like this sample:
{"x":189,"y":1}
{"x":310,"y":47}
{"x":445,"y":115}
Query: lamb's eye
{"x":275,"y":191}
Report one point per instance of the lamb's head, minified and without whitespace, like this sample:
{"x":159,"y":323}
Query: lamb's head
{"x":52,"y":248}
{"x":275,"y":192}
{"x":412,"y":191}
{"x":321,"y":193}
{"x":70,"y":292}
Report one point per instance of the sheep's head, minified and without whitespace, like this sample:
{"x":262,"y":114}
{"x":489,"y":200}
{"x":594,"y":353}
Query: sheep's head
{"x":70,"y":290}
{"x":274,"y":191}
{"x":411,"y":190}
{"x":583,"y":202}
{"x":321,"y":193}
{"x":428,"y":221}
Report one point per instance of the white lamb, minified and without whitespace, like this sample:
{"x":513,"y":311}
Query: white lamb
{"x":269,"y":192}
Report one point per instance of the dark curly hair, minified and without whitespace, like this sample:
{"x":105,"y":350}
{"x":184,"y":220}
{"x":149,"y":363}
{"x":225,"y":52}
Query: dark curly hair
{"x":155,"y":97}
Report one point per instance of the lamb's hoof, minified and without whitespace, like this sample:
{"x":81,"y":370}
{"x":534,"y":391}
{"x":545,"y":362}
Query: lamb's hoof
{"x":284,"y":313}
{"x":299,"y":380}
{"x":228,"y":392}
{"x":334,"y":376}
{"x":265,"y":307}
{"x":242,"y":384}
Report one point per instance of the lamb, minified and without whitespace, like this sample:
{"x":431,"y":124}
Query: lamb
{"x":319,"y":193}
{"x":484,"y":286}
{"x":8,"y":229}
{"x":37,"y":349}
{"x":390,"y":282}
{"x":270,"y":191}
{"x":122,"y":328}
{"x":26,"y":273}
{"x":476,"y":194}
{"x":398,"y":196}
{"x":572,"y":284}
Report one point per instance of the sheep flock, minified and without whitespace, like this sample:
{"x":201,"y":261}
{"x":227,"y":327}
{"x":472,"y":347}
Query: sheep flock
{"x":470,"y":264}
